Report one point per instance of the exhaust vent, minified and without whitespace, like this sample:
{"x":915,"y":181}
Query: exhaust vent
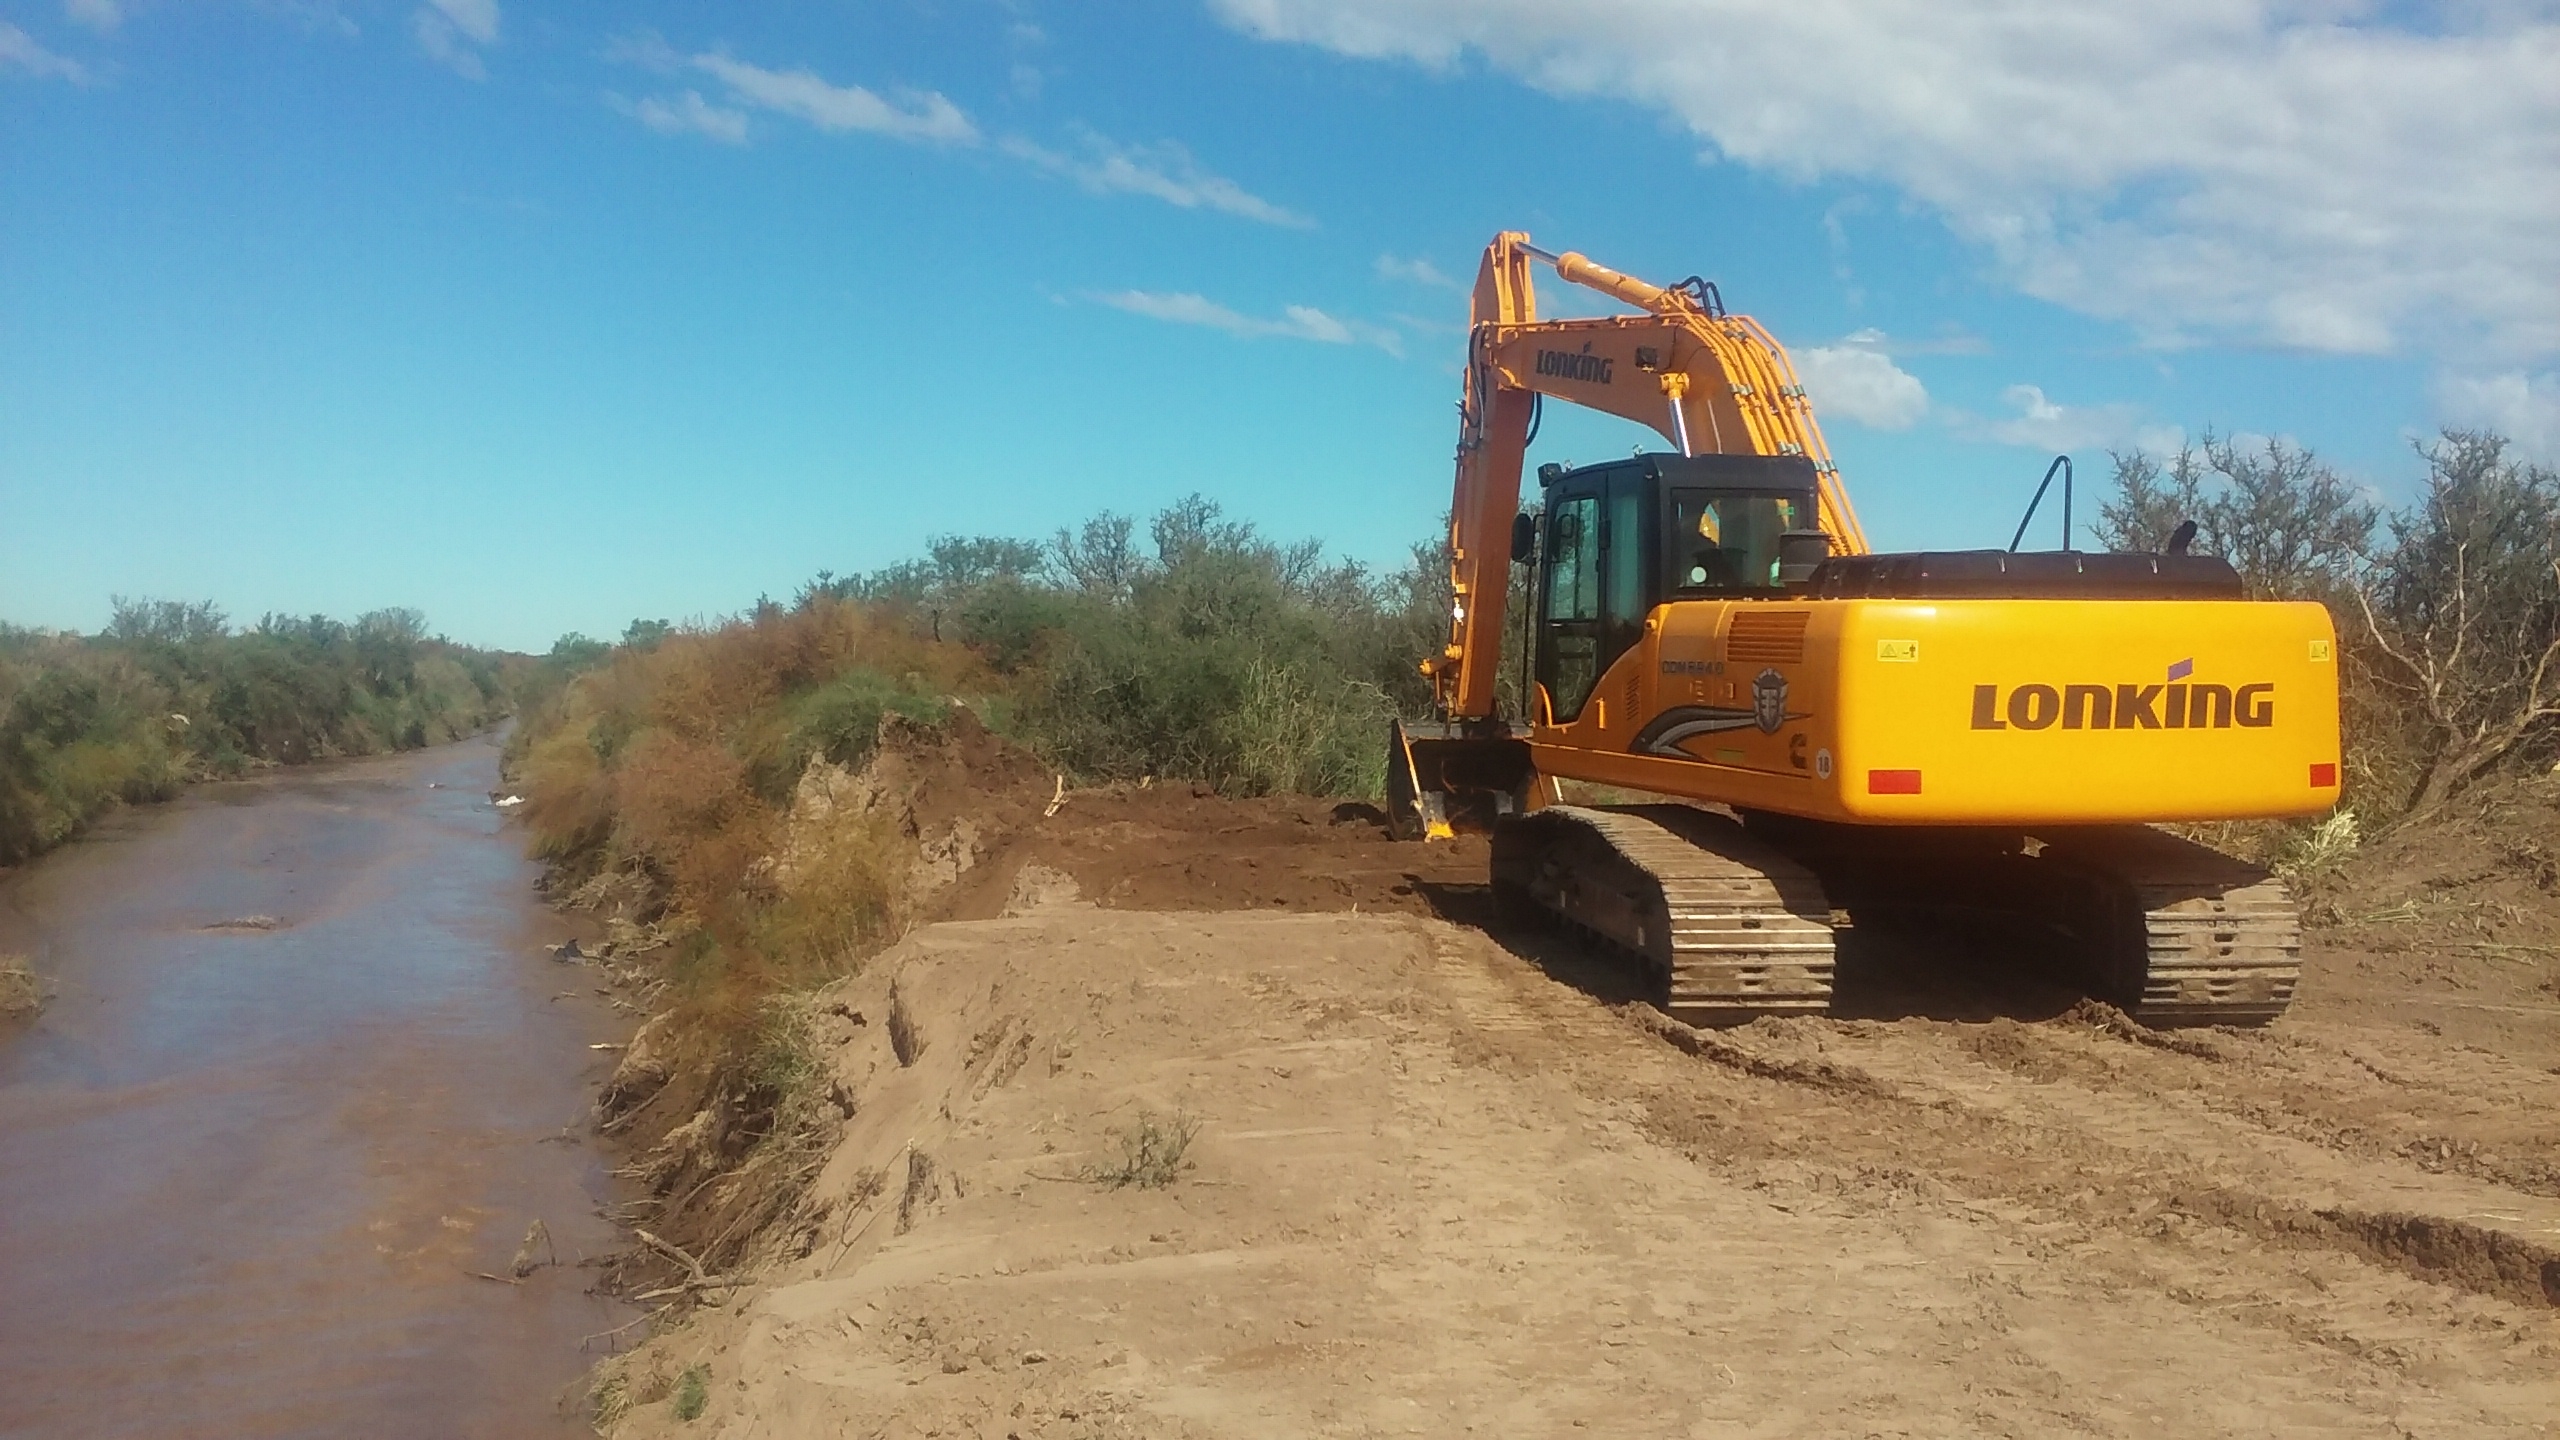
{"x":1766,"y":637}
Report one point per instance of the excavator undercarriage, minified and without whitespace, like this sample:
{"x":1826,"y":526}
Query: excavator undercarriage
{"x":1733,"y":920}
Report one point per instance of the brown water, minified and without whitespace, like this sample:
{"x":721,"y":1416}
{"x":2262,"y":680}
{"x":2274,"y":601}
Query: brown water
{"x":245,"y":1174}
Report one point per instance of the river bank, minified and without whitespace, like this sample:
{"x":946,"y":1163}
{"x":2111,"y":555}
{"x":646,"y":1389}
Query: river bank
{"x":306,"y":1075}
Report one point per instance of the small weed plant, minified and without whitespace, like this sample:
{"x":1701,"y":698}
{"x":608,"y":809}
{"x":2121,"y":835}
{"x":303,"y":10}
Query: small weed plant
{"x":693,"y":1391}
{"x":1153,"y":1152}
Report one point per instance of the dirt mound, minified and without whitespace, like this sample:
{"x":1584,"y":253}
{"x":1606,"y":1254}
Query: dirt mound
{"x":2499,"y":847}
{"x":2450,"y":924}
{"x":984,"y":813}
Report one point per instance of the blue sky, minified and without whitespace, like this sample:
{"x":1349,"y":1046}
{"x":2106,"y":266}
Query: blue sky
{"x":542,"y":318}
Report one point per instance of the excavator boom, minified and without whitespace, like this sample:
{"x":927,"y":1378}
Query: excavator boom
{"x":1710,"y":382}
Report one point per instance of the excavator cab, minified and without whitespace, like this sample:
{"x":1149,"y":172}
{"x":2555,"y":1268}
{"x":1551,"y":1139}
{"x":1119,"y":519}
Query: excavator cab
{"x":1614,"y":541}
{"x":1622,"y":538}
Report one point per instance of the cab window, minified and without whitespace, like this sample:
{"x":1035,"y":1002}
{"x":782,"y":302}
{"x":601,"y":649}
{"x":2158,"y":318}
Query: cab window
{"x":1573,"y":561}
{"x":1569,"y":638}
{"x":1726,"y":541}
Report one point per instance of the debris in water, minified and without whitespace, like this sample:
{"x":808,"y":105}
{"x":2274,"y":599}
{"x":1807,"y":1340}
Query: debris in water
{"x":535,"y":1253}
{"x":509,"y":803}
{"x":247,"y":922}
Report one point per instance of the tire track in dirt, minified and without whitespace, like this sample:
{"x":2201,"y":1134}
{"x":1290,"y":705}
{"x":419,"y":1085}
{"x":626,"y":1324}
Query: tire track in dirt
{"x":1891,"y":1106}
{"x":1863,"y":1119}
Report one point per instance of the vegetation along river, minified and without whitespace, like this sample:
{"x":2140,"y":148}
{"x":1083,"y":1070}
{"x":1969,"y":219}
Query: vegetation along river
{"x":306,"y":1069}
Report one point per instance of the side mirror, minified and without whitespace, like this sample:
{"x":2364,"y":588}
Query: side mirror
{"x":1524,"y":537}
{"x":1798,"y":552}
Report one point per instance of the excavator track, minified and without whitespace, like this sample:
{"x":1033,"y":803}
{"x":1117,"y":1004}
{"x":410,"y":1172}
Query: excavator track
{"x":2173,"y":932}
{"x":2190,"y":936}
{"x":1726,"y":927}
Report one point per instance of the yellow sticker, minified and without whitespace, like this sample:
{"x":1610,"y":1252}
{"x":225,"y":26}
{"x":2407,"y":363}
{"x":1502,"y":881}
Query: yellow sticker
{"x":2319,"y":650}
{"x":1903,"y":650}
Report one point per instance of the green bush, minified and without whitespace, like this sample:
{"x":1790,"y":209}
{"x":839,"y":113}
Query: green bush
{"x":1222,"y":657}
{"x":168,"y":693}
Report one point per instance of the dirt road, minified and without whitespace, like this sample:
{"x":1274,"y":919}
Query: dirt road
{"x":1447,"y":1181}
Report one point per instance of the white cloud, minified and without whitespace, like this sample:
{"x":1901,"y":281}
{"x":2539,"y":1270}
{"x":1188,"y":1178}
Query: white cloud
{"x":1298,"y":322}
{"x":102,"y":16}
{"x":922,"y":115}
{"x":645,"y":49}
{"x":314,"y":16}
{"x":1859,"y":382}
{"x":2196,"y":168}
{"x":19,"y":51}
{"x":476,"y":19}
{"x":1420,"y":272}
{"x":1165,"y":172}
{"x":2042,"y":423}
{"x":687,"y":113}
{"x":450,"y":32}
{"x":2524,"y":408}
{"x":1951,"y":340}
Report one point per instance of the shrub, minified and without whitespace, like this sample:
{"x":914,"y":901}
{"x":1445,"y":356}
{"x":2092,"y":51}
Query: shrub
{"x":1152,"y":1152}
{"x":2463,"y":609}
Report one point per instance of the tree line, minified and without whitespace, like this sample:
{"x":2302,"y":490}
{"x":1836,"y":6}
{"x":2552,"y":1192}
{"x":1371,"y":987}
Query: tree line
{"x":170,"y":692}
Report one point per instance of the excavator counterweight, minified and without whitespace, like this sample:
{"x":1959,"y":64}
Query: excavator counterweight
{"x":1985,"y":735}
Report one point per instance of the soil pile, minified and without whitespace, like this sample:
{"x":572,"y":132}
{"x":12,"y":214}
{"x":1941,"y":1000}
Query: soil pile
{"x":981,"y":813}
{"x":2454,"y":922}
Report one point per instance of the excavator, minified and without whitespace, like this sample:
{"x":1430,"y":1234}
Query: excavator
{"x":1987,"y":739}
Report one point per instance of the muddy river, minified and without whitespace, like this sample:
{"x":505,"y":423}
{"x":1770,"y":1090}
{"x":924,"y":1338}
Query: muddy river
{"x":307,"y":1068}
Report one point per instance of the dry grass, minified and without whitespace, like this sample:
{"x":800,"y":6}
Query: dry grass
{"x":21,"y":993}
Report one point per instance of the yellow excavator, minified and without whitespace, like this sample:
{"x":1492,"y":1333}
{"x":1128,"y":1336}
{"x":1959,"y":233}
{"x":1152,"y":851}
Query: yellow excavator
{"x":1980,"y":736}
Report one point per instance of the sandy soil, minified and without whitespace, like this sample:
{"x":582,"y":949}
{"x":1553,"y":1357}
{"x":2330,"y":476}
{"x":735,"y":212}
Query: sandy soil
{"x":1449,"y":1181}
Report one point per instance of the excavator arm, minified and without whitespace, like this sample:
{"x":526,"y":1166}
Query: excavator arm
{"x":1710,"y":382}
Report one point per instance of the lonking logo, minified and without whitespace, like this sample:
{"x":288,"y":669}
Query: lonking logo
{"x":2178,"y":704}
{"x":1576,"y":365}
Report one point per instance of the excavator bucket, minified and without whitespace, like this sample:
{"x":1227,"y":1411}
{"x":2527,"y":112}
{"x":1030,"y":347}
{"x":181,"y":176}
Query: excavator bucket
{"x":1444,"y":781}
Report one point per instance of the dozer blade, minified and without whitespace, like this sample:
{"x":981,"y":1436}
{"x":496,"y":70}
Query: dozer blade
{"x":1444,"y":781}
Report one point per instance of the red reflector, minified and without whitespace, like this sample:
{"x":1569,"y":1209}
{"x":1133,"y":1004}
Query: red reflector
{"x":2324,"y":777}
{"x":1893,"y":782}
